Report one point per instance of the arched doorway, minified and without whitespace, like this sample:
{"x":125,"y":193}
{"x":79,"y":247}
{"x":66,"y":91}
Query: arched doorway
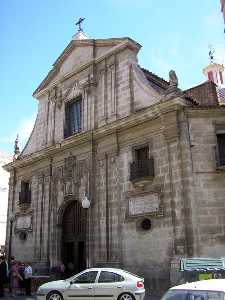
{"x":74,"y":238}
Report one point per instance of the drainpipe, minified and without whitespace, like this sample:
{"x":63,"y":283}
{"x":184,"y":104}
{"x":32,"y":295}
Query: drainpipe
{"x":10,"y":218}
{"x":107,"y":206}
{"x":49,"y":213}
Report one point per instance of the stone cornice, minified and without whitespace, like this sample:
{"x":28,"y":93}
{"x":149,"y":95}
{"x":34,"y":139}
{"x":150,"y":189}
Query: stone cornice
{"x":158,"y":110}
{"x":127,"y":43}
{"x":205,"y":112}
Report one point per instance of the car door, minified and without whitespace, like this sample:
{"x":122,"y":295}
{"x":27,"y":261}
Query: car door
{"x":109,"y":285}
{"x":82,"y":286}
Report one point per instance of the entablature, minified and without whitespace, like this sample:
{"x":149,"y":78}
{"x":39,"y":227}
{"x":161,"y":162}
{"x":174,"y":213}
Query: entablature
{"x":152,"y":113}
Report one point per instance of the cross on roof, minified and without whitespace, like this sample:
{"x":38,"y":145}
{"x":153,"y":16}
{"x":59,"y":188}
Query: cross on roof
{"x":79,"y":22}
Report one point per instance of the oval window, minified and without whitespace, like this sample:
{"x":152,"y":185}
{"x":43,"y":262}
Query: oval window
{"x":146,"y":224}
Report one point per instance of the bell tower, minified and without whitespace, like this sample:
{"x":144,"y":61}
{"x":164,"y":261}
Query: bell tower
{"x":214,"y":71}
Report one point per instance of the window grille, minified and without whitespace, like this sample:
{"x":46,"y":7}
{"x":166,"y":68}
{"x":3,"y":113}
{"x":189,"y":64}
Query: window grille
{"x":73,"y":117}
{"x":221,"y":148}
{"x":25,"y":194}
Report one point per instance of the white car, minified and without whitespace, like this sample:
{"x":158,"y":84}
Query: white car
{"x":95,"y":284}
{"x":212,"y":289}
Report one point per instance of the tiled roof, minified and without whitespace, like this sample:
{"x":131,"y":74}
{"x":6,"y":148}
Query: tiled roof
{"x":221,"y":93}
{"x":204,"y":94}
{"x":160,"y":82}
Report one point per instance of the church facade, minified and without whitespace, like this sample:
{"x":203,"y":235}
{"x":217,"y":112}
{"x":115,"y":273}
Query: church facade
{"x":122,"y":168}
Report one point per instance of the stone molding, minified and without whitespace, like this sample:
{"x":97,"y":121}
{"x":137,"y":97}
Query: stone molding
{"x":127,"y":43}
{"x":205,"y":112}
{"x":149,"y":114}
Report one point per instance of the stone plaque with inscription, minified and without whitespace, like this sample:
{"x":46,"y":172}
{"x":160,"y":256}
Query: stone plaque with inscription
{"x":24,"y":222}
{"x":143,"y":204}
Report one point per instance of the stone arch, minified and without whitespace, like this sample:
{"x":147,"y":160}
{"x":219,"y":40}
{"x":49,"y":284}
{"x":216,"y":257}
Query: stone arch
{"x":67,"y":201}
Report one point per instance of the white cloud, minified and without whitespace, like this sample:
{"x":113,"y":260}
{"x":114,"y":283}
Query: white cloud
{"x":24,"y":130}
{"x":4,"y":177}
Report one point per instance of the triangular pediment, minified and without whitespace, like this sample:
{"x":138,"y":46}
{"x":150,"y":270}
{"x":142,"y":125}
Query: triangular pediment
{"x":79,"y":53}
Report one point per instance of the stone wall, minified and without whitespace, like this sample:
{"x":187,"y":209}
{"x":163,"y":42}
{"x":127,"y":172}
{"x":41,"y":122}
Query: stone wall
{"x":121,"y":112}
{"x":209,"y":190}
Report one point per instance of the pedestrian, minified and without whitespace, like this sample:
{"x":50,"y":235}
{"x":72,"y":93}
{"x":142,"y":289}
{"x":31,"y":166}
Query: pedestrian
{"x":27,"y":278}
{"x":3,"y":275}
{"x":14,"y":277}
{"x":61,"y":270}
{"x":70,"y":269}
{"x":11,"y":260}
{"x":21,"y":281}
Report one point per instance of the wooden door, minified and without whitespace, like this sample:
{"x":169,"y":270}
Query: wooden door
{"x":74,"y":238}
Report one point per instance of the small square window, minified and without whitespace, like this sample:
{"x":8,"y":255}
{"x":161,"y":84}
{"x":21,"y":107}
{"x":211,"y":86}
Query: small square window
{"x":142,"y":166}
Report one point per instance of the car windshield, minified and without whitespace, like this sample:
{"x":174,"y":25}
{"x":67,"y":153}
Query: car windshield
{"x":193,"y":295}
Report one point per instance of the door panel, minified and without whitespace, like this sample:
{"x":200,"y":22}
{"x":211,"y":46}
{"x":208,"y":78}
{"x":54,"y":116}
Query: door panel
{"x":73,"y":238}
{"x":81,"y":291}
{"x":82,"y":286}
{"x":109,"y":286}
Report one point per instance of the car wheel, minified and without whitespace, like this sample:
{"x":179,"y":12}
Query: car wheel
{"x":54,"y":296}
{"x":126,"y":296}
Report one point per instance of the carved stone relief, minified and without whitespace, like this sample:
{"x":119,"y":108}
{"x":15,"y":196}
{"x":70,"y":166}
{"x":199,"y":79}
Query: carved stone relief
{"x":55,"y":95}
{"x":77,"y":87}
{"x":75,"y":177}
{"x":68,"y":174}
{"x":147,"y":203}
{"x":23,"y":222}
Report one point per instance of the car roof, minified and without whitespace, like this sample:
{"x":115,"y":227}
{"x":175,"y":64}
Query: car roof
{"x":113,"y":270}
{"x":208,"y":285}
{"x":104,"y":269}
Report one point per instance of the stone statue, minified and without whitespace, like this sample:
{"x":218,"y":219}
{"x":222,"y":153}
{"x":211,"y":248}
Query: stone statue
{"x":172,"y":89}
{"x":16,"y":148}
{"x":173,"y":79}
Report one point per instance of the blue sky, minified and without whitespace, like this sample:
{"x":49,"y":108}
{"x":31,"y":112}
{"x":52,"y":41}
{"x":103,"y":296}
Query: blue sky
{"x":174,"y":34}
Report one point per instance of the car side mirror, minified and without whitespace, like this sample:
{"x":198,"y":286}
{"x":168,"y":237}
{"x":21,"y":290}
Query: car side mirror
{"x":71,"y":282}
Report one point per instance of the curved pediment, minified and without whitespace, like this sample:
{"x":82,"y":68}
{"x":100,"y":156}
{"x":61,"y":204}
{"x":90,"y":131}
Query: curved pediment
{"x":73,"y":91}
{"x":144,"y":94}
{"x":80,"y":53}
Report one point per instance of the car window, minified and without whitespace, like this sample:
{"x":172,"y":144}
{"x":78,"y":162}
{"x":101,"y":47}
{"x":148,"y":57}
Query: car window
{"x":205,"y":295}
{"x":88,"y":277}
{"x":193,"y":295}
{"x":176,"y":295}
{"x":197,"y":295}
{"x":106,"y":276}
{"x":215,"y":295}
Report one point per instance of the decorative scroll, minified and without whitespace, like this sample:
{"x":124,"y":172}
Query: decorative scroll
{"x":69,"y":164}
